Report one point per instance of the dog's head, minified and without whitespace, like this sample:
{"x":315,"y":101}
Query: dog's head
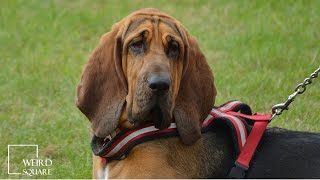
{"x":147,"y":67}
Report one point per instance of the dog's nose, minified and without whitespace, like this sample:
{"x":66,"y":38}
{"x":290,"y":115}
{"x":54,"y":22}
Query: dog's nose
{"x":159,"y":83}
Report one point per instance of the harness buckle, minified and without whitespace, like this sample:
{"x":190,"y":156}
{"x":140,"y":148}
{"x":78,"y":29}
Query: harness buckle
{"x":238,"y":171}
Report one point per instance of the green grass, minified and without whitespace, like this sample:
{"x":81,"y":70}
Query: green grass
{"x":259,"y":51}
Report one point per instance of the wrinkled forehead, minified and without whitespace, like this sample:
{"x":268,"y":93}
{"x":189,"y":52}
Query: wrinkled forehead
{"x":155,"y":24}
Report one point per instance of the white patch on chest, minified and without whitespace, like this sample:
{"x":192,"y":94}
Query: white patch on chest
{"x":103,"y":173}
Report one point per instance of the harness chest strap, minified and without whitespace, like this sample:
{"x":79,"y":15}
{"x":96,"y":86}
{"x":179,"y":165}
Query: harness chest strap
{"x":245,"y":157}
{"x":237,"y":115}
{"x":230,"y":110}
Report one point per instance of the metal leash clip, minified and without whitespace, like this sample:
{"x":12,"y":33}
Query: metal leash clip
{"x":300,"y":89}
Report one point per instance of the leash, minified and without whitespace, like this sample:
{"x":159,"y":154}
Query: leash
{"x":300,"y":89}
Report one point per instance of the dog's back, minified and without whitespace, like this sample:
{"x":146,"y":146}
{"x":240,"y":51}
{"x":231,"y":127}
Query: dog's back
{"x":287,"y":154}
{"x":281,"y":154}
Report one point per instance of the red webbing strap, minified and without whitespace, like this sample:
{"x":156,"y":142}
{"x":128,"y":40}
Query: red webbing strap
{"x":251,"y":143}
{"x":255,"y":117}
{"x":260,"y":124}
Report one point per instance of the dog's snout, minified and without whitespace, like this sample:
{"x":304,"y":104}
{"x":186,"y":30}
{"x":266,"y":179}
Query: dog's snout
{"x":159,"y":83}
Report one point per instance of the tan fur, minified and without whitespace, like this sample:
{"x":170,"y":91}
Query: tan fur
{"x":112,"y":92}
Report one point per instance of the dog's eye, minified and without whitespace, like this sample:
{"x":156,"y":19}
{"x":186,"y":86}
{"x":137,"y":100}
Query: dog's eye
{"x":137,"y":46}
{"x":173,"y":49}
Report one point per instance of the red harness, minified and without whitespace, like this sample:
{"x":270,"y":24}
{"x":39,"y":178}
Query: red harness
{"x":237,"y":115}
{"x":246,"y":153}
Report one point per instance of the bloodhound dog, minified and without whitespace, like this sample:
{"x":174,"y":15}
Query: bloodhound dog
{"x":149,"y":68}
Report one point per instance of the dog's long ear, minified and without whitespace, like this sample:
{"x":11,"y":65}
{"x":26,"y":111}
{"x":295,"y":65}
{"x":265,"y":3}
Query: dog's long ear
{"x":102,"y":88}
{"x":196,"y":93}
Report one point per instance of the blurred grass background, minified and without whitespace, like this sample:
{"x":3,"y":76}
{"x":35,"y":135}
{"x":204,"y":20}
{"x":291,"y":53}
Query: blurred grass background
{"x":259,"y":51}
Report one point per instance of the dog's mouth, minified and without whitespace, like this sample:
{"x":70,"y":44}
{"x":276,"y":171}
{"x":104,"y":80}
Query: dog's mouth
{"x":157,"y":115}
{"x":150,"y":105}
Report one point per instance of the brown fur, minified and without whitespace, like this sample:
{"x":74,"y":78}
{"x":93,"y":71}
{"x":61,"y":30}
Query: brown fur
{"x":113,"y":92}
